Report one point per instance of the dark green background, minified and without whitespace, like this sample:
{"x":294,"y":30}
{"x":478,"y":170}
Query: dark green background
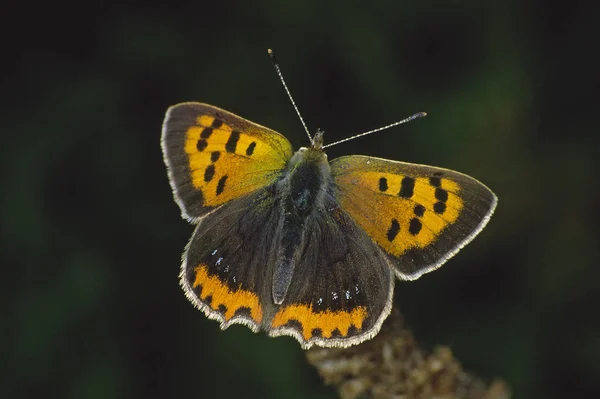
{"x":91,"y":239}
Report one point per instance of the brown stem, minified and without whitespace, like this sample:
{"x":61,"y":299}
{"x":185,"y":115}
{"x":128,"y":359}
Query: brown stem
{"x":392,"y":366}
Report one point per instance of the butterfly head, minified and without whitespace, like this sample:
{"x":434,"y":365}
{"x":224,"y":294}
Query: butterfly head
{"x":314,"y":152}
{"x":317,"y":140}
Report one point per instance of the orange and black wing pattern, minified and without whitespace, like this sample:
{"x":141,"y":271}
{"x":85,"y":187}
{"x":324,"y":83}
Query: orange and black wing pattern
{"x":226,"y":263}
{"x":214,"y":156}
{"x":343,"y":284}
{"x":419,"y":215}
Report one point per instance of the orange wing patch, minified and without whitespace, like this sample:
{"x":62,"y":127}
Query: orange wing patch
{"x":326,"y":321}
{"x":411,"y":211}
{"x":226,"y":163}
{"x":221,"y":295}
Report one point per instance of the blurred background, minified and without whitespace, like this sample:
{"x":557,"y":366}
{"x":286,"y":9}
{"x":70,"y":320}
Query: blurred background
{"x":91,"y":238}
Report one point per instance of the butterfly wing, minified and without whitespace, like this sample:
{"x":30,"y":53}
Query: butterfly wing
{"x":334,"y":300}
{"x":419,"y":215}
{"x":226,"y":264}
{"x":214,"y":156}
{"x":342,"y":287}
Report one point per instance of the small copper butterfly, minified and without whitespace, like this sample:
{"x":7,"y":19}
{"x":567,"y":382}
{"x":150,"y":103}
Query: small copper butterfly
{"x":293,"y":244}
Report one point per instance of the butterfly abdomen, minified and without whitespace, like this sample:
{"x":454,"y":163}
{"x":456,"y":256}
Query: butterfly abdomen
{"x":301,"y":192}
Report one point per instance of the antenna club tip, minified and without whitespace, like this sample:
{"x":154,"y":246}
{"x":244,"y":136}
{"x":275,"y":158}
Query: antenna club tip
{"x":272,"y":55}
{"x":422,"y":114}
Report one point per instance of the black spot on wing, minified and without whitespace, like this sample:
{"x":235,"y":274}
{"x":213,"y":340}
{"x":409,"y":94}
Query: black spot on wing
{"x":243,"y":311}
{"x":336,"y":333}
{"x":206,"y":133}
{"x":217,"y":123}
{"x":383,"y":184}
{"x":209,"y":173}
{"x":221,"y":184}
{"x":435,"y":181}
{"x":214,"y":157}
{"x":317,"y":332}
{"x":198,"y":291}
{"x":250,"y":149}
{"x":441,"y":194}
{"x":295,"y":324}
{"x":414,"y":226}
{"x":419,"y":210}
{"x":232,"y":141}
{"x":393,"y":230}
{"x":407,"y":187}
{"x":201,"y":145}
{"x":439,"y":207}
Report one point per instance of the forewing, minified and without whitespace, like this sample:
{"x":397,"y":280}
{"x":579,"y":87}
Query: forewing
{"x":419,"y":215}
{"x":342,"y":286}
{"x":214,"y":156}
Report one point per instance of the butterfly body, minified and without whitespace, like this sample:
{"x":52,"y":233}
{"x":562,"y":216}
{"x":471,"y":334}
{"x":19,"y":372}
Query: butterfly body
{"x":292,"y":244}
{"x":303,"y":190}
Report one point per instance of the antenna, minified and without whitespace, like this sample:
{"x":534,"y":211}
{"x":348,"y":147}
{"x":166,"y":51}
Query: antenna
{"x":276,"y":65}
{"x":410,"y":118}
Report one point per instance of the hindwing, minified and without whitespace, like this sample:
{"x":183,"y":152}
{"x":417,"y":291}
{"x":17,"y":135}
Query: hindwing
{"x":342,"y":285}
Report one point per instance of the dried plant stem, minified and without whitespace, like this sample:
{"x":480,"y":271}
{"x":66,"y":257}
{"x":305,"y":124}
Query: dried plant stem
{"x":392,"y":366}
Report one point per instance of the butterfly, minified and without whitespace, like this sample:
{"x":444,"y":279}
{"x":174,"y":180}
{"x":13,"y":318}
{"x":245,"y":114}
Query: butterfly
{"x":292,"y":244}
